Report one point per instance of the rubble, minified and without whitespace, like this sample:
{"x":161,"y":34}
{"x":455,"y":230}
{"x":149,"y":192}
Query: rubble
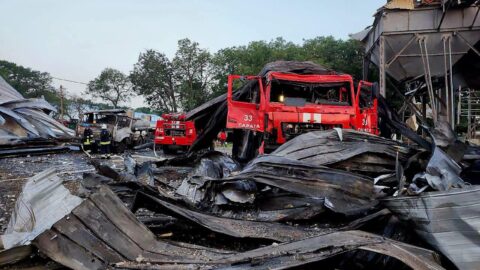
{"x":43,"y":201}
{"x":347,"y":149}
{"x":335,"y":199}
{"x":26,"y":123}
{"x":447,"y":220}
{"x":101,"y":232}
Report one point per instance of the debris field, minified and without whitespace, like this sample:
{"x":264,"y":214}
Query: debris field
{"x":333,"y":199}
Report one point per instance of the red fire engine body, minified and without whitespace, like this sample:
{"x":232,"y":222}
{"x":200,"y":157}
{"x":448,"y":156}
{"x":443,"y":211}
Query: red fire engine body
{"x":174,"y":132}
{"x":290,"y":104}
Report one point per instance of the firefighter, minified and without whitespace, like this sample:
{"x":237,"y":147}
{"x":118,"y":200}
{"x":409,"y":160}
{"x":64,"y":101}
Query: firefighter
{"x":87,"y":140}
{"x":105,"y":141}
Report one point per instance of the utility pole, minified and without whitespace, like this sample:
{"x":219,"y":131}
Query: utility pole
{"x":61,"y":102}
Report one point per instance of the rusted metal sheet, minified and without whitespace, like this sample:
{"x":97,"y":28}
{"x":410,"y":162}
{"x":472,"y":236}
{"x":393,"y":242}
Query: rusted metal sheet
{"x":448,"y":220}
{"x":400,"y":4}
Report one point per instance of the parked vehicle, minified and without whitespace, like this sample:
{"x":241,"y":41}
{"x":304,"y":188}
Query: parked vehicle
{"x":126,"y":132}
{"x":174,"y":133}
{"x":285,"y":105}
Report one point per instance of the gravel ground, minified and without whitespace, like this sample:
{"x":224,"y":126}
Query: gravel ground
{"x":14,"y":172}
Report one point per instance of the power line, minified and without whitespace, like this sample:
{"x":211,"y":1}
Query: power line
{"x":66,"y":80}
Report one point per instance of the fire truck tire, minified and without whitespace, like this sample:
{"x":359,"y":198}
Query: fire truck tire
{"x":167,"y":150}
{"x":120,"y":147}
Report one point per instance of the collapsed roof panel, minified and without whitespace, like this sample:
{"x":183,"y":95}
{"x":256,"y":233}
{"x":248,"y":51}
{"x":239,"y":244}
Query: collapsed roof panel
{"x":24,"y":120}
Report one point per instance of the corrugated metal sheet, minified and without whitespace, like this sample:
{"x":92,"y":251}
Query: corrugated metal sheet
{"x":43,"y":201}
{"x":23,"y":120}
{"x":448,"y":220}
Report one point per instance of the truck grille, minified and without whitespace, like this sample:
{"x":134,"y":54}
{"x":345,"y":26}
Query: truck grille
{"x":175,"y":132}
{"x":291,"y":130}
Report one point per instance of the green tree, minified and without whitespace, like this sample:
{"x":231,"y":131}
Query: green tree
{"x":28,"y":82}
{"x":75,"y":106}
{"x":111,"y":86}
{"x":250,"y":59}
{"x":168,"y":86}
{"x":193,"y":74}
{"x":343,"y":56}
{"x":153,"y":77}
{"x":339,"y":55}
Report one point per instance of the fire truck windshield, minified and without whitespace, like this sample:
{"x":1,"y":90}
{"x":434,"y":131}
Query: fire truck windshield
{"x":289,"y":92}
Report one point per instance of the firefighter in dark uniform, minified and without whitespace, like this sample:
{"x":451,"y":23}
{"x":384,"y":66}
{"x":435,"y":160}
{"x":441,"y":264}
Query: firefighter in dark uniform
{"x":105,"y":142}
{"x":87,"y":140}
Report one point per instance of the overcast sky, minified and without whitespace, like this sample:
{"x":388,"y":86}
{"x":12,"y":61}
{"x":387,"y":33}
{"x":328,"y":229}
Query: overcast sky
{"x":76,"y":40}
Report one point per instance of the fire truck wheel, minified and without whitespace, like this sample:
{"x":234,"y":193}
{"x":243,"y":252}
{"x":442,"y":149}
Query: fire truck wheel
{"x":167,"y":150}
{"x":120,"y":147}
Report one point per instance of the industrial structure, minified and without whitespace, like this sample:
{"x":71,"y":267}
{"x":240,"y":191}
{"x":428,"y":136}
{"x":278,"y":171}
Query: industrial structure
{"x":429,"y":51}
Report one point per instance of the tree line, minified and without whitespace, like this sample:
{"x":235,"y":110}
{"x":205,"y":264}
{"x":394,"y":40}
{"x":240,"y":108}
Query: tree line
{"x":194,"y":75}
{"x":191,"y":77}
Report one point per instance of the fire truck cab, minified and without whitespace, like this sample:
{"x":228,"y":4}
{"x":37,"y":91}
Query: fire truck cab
{"x":174,"y":133}
{"x":284,"y":105}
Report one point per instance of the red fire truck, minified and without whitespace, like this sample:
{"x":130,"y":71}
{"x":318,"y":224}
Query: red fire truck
{"x":174,"y":133}
{"x":284,"y":105}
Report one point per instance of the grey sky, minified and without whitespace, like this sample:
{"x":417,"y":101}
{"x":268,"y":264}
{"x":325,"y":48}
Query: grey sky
{"x":77,"y":39}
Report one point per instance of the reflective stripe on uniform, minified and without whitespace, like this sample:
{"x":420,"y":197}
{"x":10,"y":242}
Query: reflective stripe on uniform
{"x":104,"y":143}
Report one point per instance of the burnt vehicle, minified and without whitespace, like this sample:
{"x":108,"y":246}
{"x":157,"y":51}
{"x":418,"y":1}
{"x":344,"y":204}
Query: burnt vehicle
{"x":126,"y":132}
{"x":286,"y":105}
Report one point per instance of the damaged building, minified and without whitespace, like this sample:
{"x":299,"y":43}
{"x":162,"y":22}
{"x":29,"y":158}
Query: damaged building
{"x":400,"y":195}
{"x":26,"y":124}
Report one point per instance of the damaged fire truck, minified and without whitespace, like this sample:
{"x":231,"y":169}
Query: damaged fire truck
{"x":174,"y":133}
{"x":283,"y":105}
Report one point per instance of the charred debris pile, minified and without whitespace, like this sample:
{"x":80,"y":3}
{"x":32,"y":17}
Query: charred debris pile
{"x":335,"y":199}
{"x":26,"y":124}
{"x":338,"y":199}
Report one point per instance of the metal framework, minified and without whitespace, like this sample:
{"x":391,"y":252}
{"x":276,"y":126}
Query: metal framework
{"x":443,"y":34}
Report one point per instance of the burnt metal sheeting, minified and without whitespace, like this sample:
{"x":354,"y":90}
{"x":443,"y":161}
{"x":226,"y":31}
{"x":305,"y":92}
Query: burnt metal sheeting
{"x":232,"y":227}
{"x":298,"y":183}
{"x":296,"y":254}
{"x":391,"y":123}
{"x":347,"y":149}
{"x":43,"y":201}
{"x":344,"y":192}
{"x":23,"y":120}
{"x":447,"y":220}
{"x":211,"y":117}
{"x":102,"y":233}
